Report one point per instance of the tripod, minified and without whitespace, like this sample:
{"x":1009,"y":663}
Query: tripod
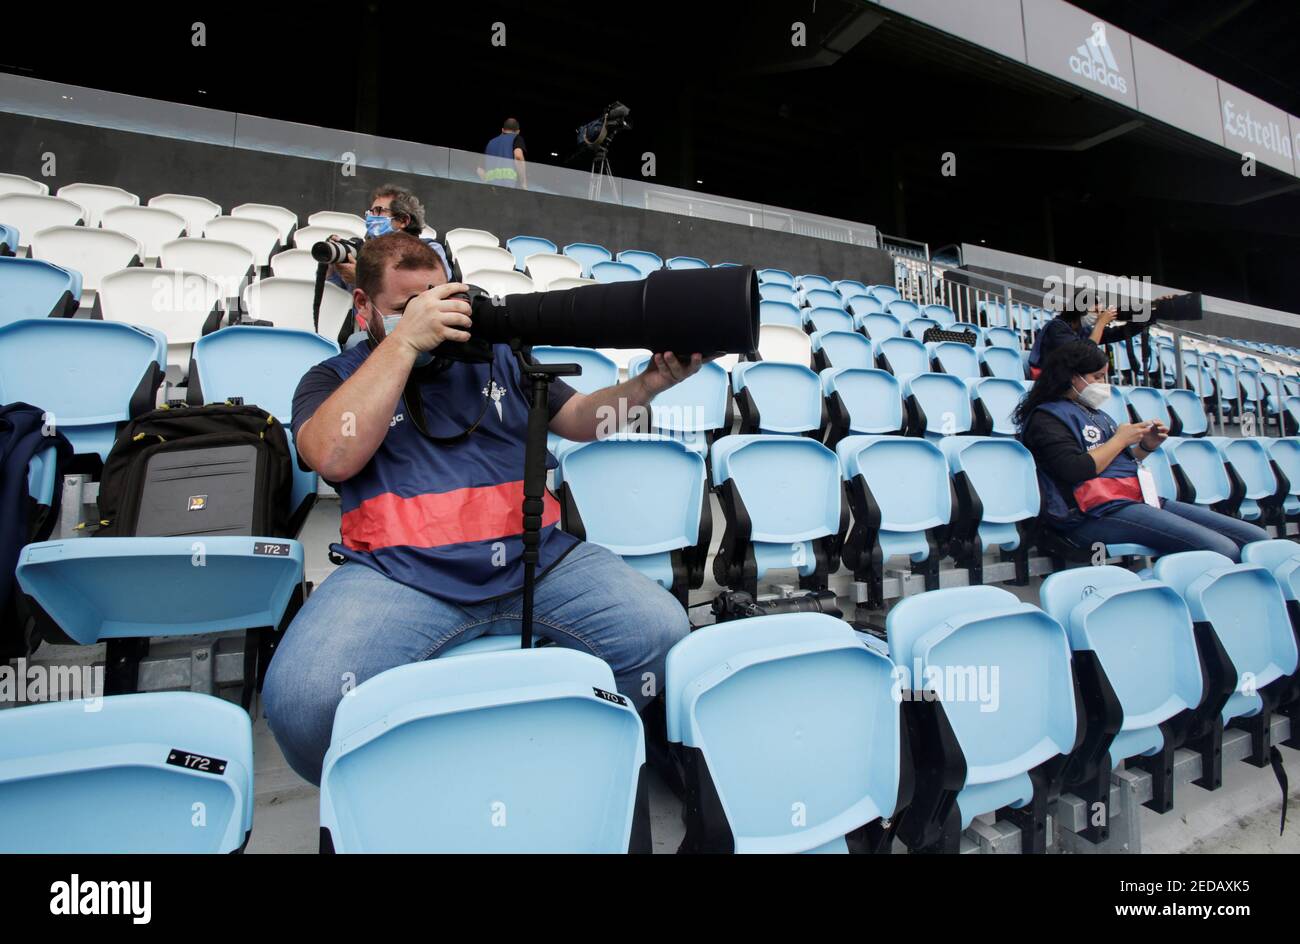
{"x":600,"y":172}
{"x":539,"y":377}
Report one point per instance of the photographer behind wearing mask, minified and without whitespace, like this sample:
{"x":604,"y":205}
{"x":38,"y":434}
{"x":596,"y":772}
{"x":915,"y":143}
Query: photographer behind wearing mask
{"x":1074,"y":325}
{"x":431,"y":530}
{"x":1088,"y":466}
{"x":392,"y":209}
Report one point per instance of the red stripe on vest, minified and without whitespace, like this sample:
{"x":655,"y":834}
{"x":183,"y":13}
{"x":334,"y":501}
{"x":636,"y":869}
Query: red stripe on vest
{"x":1100,"y":490}
{"x":439,"y":519}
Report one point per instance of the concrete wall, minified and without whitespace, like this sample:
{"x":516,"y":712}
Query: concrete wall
{"x":149,"y":165}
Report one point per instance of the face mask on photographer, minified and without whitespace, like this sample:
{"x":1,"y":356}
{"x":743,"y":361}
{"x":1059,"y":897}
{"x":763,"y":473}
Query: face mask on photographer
{"x":377,"y":225}
{"x":1093,"y":395}
{"x":390,"y":323}
{"x":1089,"y":321}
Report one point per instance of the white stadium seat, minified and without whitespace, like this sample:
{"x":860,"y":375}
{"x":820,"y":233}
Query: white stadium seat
{"x":96,"y":198}
{"x":547,"y":268}
{"x":257,"y":236}
{"x":566,"y":281}
{"x":92,"y":252}
{"x":500,"y":283}
{"x":227,"y":264}
{"x":284,"y":220}
{"x":176,"y":303}
{"x":308,"y":236}
{"x":348,"y":223}
{"x":784,"y":344}
{"x":286,"y":303}
{"x":17,"y":183}
{"x":152,"y":226}
{"x":294,"y":263}
{"x":194,"y":210}
{"x":458,"y":239}
{"x":30,"y":213}
{"x":480,"y":258}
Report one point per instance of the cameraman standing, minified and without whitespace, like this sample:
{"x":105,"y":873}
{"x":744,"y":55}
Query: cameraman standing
{"x":431,"y":517}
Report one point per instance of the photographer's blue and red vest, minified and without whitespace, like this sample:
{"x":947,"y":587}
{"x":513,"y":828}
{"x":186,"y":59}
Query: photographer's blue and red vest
{"x":1116,"y":485}
{"x":447,"y":519}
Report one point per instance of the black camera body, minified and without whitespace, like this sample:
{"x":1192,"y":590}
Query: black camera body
{"x":737,"y":604}
{"x":1179,"y":308}
{"x":597,"y":134}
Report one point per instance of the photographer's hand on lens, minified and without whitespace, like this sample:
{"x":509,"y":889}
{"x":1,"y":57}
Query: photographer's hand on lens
{"x":434,"y":316}
{"x":666,"y":370}
{"x":1106,"y":317}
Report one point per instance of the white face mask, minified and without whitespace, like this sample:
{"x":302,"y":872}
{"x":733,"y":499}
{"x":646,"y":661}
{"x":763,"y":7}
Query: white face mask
{"x":1089,"y":322}
{"x":1094,"y":395}
{"x":390,"y":322}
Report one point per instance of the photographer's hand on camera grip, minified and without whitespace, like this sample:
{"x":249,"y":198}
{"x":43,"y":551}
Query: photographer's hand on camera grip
{"x":434,"y":316}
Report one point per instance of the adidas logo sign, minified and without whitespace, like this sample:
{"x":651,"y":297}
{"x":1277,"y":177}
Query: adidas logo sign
{"x":1095,"y":60}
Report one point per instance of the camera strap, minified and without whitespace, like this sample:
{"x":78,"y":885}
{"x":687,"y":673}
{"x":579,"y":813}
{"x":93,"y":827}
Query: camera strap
{"x":412,"y":394}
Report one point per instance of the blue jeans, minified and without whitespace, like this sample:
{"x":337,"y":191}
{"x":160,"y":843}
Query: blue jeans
{"x":359,"y":623}
{"x":1175,"y":526}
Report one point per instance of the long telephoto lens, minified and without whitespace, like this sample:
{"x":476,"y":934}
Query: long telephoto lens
{"x":334,"y":251}
{"x":684,"y":311}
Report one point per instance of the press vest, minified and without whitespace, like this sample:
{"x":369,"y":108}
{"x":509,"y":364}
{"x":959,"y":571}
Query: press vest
{"x":1116,"y":485}
{"x":501,"y":158}
{"x":448,"y":519}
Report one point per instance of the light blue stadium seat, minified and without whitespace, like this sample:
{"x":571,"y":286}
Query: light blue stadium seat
{"x":996,"y":484}
{"x":808,"y":283}
{"x":884,"y":293}
{"x":115,"y":588}
{"x":831,"y":743}
{"x":861,"y":401}
{"x":1199,"y":464}
{"x":901,"y":496}
{"x":1148,"y":403}
{"x":777,"y":398}
{"x":642,"y":497}
{"x":89,"y":375}
{"x":916,"y":327}
{"x":993,"y":404}
{"x":1250,"y":460}
{"x":994,"y":314}
{"x":588,"y":254}
{"x":598,"y":372}
{"x":1244,"y":606}
{"x":903,"y":310}
{"x":862,"y":305}
{"x":778,"y":292}
{"x":849,"y":288}
{"x":32,"y":288}
{"x":941,"y":315}
{"x":1002,"y":337}
{"x":1290,"y":417}
{"x":937,"y":406}
{"x":1189,"y":411}
{"x":645,"y":262}
{"x":525,"y":752}
{"x":827,"y":319}
{"x":606,"y":272}
{"x":879,"y":326}
{"x":126,"y":774}
{"x":779,"y":312}
{"x":1286,"y":453}
{"x":8,"y":240}
{"x":841,"y":349}
{"x":685,"y":262}
{"x":775,"y":277}
{"x":694,"y":411}
{"x":1139,"y":689}
{"x":780,"y":496}
{"x":1003,"y":756}
{"x":524,"y":246}
{"x":1003,"y":362}
{"x":956,"y":358}
{"x":819,"y":297}
{"x":1116,"y":405}
{"x":262,"y":366}
{"x":902,"y":357}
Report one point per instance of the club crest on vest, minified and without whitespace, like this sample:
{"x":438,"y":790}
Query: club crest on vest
{"x":496,"y":392}
{"x":1092,"y":434}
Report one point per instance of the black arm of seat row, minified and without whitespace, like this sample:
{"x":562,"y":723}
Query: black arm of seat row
{"x":916,"y":418}
{"x":932,"y":821}
{"x":1236,"y":491}
{"x":1101,"y":717}
{"x":697,"y":556}
{"x":749,"y":418}
{"x":213,"y":321}
{"x":860,"y":551}
{"x":734,"y":565}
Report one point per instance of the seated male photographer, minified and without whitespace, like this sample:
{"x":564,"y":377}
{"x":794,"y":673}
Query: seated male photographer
{"x":1088,"y":466}
{"x":431,"y":530}
{"x":392,"y":209}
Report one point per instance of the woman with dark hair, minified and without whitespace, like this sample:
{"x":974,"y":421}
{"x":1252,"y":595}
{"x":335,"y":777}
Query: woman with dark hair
{"x":1074,"y":324}
{"x":1088,"y":466}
